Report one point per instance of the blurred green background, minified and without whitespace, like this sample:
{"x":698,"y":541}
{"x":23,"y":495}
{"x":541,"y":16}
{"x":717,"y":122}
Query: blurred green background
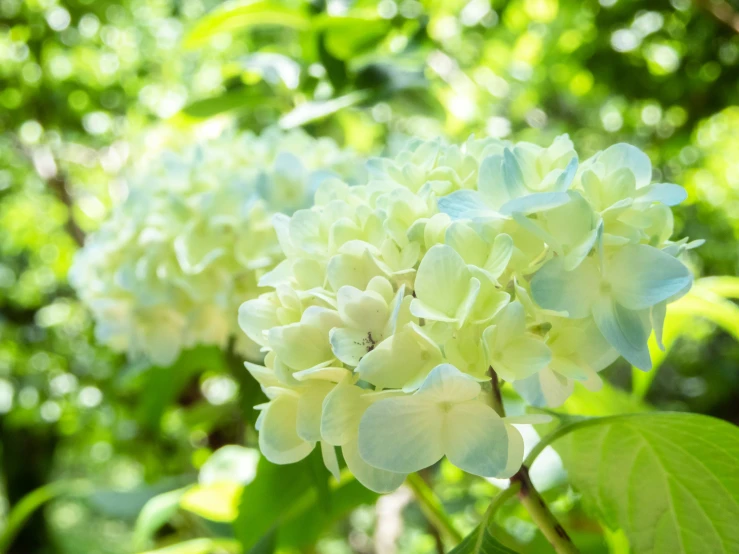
{"x":87,"y":86}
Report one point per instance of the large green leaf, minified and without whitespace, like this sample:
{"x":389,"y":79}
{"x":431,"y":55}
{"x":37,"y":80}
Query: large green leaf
{"x":669,"y":480}
{"x":480,"y":541}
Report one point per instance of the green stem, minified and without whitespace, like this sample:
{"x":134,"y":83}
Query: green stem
{"x":498,"y":501}
{"x":431,"y":506}
{"x":496,"y":396}
{"x":527,"y":493}
{"x":541,"y":515}
{"x":569,"y":428}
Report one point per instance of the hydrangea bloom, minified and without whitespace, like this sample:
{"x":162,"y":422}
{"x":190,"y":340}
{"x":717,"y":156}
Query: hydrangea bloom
{"x":396,"y":297}
{"x":170,"y":267}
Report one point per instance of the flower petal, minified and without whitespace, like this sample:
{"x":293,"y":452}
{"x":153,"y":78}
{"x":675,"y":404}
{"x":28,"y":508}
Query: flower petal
{"x":521,"y":358}
{"x":278,"y":435}
{"x":545,"y":389}
{"x":342,"y":409}
{"x":533,"y":203}
{"x":573,"y":292}
{"x":328,"y":454}
{"x":625,"y":330}
{"x":668,"y":194}
{"x":401,"y":434}
{"x":475,"y":439}
{"x":500,"y":255}
{"x":309,"y":410}
{"x":625,"y":155}
{"x":642,"y":276}
{"x":442,"y":281}
{"x":515,"y":452}
{"x":377,"y":480}
{"x":403,"y":358}
{"x":350,"y":345}
{"x":446,"y":383}
{"x":462,"y":204}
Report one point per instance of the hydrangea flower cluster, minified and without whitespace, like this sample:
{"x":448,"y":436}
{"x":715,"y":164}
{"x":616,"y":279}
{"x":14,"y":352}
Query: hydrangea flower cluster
{"x":170,"y":267}
{"x":397,"y":297}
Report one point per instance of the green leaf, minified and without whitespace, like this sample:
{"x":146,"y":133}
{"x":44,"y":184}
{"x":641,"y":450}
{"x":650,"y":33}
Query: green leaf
{"x":231,"y":100}
{"x":669,"y":480}
{"x":155,"y":513}
{"x":314,"y":110}
{"x":236,"y":16}
{"x":480,"y":541}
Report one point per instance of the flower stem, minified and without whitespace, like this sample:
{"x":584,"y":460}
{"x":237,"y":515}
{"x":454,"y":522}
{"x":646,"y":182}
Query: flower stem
{"x":497,"y":398}
{"x":527,"y":493}
{"x":541,"y":515}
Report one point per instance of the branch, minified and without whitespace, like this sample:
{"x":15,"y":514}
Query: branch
{"x":527,"y":493}
{"x":542,"y":515}
{"x":47,"y":169}
{"x":721,"y":10}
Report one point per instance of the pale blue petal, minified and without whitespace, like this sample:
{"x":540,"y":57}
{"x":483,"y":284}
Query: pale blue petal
{"x":512,"y":176}
{"x":546,"y":389}
{"x":625,"y":155}
{"x":642,"y":276}
{"x":573,"y":292}
{"x":446,"y":383}
{"x":461,"y":203}
{"x":476,"y":439}
{"x":377,"y":480}
{"x":625,"y":330}
{"x":668,"y":194}
{"x":401,"y":434}
{"x":565,"y":179}
{"x":533,"y":203}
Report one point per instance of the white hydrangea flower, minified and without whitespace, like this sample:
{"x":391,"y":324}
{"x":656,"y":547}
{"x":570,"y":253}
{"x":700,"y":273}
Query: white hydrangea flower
{"x":170,"y":267}
{"x":397,"y":297}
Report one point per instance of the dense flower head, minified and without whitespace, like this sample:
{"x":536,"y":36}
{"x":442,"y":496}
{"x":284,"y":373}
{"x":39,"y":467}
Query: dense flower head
{"x":172,"y":264}
{"x":397,"y":297}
